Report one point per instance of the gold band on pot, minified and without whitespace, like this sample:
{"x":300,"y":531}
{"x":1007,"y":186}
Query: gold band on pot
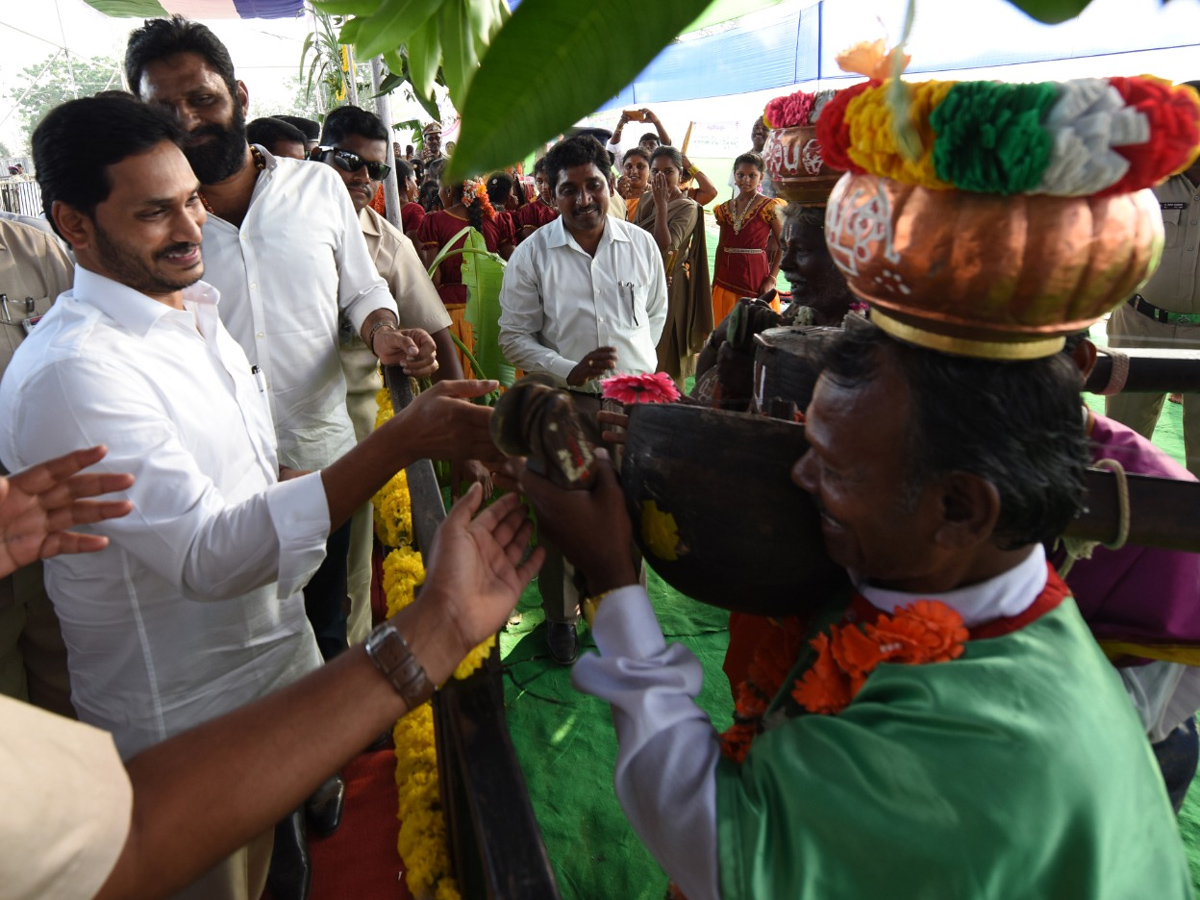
{"x":960,"y":346}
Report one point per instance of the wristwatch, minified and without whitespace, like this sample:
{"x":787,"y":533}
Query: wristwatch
{"x":391,"y":654}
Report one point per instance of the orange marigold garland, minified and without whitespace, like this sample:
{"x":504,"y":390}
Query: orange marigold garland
{"x":923,"y":632}
{"x":926,"y":631}
{"x":476,"y":192}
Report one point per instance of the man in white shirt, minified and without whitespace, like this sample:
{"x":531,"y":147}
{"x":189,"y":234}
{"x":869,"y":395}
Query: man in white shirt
{"x":195,"y":608}
{"x":582,"y":296}
{"x":81,"y":823}
{"x":285,"y":250}
{"x":938,"y":478}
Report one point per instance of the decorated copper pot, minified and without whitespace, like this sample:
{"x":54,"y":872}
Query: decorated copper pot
{"x":987,"y":275}
{"x":796,"y":167}
{"x":715,"y":511}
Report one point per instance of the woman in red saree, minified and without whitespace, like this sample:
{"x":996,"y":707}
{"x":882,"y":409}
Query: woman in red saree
{"x":464,"y":205}
{"x":749,"y":249}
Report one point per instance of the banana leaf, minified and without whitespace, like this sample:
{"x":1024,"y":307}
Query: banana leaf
{"x":483,"y":273}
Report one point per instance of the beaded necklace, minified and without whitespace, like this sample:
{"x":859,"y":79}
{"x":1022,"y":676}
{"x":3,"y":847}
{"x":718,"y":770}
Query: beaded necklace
{"x":739,"y":218}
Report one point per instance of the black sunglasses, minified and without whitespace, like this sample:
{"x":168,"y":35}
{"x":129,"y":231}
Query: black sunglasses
{"x":352,"y":162}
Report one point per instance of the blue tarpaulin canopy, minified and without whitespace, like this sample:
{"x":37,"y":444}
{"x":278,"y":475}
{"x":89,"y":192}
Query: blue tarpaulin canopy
{"x":790,"y":45}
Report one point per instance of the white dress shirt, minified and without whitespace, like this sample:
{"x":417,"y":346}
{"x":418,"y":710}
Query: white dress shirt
{"x":298,"y":258}
{"x":558,"y":303}
{"x":180,"y":619}
{"x":667,"y":746}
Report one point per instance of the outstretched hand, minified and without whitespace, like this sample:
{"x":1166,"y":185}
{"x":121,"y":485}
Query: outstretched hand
{"x":441,"y":424}
{"x":39,"y":505}
{"x":476,"y":574}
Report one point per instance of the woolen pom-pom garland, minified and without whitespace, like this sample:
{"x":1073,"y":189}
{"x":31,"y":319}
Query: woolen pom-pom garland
{"x":1076,"y":138}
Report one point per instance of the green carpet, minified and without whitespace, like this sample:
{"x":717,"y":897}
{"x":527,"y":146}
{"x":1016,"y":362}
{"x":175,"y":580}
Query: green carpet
{"x":568,"y":749}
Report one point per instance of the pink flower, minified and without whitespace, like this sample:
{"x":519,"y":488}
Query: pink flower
{"x":649,"y":388}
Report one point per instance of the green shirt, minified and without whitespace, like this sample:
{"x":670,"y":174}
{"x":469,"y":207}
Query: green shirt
{"x":1019,"y":770}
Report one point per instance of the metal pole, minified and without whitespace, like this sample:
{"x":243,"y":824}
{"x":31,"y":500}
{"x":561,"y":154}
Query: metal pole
{"x":383,"y":109}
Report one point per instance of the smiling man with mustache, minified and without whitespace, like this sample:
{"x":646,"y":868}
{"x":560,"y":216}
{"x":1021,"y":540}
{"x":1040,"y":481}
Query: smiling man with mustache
{"x":195,"y":607}
{"x":285,"y":250}
{"x":583,"y":296}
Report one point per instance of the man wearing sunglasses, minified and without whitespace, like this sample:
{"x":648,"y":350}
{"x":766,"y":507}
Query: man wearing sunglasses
{"x":354,"y":143}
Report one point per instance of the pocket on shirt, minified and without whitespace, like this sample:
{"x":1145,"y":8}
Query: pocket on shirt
{"x":14,"y":332}
{"x":1172,"y":227}
{"x":633,"y":311}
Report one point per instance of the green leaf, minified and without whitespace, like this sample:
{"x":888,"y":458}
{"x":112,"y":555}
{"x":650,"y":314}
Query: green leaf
{"x":483,"y":274}
{"x":393,"y":25}
{"x":351,"y":29}
{"x":390,"y":82}
{"x":446,"y":251}
{"x":459,"y":60}
{"x":1051,"y":11}
{"x":544,"y":48}
{"x":348,"y":7}
{"x":424,"y":56}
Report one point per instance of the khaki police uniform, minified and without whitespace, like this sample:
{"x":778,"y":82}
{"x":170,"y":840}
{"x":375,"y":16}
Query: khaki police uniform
{"x":1165,"y":314}
{"x":34,"y":270}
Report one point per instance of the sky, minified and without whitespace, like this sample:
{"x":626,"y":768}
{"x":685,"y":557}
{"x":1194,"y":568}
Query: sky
{"x":266,"y":53}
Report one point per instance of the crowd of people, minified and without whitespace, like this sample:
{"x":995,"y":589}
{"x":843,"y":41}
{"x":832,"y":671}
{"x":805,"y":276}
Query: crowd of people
{"x":208,"y":352}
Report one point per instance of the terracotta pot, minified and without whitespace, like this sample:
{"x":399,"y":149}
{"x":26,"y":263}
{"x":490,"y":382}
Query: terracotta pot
{"x":715,"y":512}
{"x":796,"y":167}
{"x":787,"y":362}
{"x":952,"y":269}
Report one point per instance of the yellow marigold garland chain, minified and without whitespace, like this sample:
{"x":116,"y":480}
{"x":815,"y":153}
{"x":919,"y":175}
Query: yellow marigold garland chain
{"x":423,"y":842}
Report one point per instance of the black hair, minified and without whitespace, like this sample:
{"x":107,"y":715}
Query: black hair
{"x":671,"y":153}
{"x":75,"y":172}
{"x":1014,"y":424}
{"x":539,"y":165}
{"x":403,"y":170}
{"x":1074,"y":340}
{"x":308,"y":127}
{"x":269,"y":130}
{"x":345,"y":121}
{"x":576,"y":151}
{"x":636,"y":151}
{"x":474,"y":210}
{"x":751,"y":158}
{"x":430,"y":197}
{"x":159,"y":39}
{"x":499,"y":189}
{"x":650,"y":136}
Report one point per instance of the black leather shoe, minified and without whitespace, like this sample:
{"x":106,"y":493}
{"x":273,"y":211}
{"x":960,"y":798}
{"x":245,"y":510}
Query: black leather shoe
{"x":290,"y":874}
{"x":563,"y":642}
{"x":324,"y":807}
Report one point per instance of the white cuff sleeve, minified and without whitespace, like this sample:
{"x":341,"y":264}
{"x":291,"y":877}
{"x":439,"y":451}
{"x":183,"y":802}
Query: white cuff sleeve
{"x":300,"y":514}
{"x":668,"y":748}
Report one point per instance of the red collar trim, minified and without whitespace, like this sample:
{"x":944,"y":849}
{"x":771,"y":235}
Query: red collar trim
{"x":1051,"y":596}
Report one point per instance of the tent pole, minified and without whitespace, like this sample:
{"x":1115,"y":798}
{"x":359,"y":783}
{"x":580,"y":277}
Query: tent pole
{"x":383,"y":109}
